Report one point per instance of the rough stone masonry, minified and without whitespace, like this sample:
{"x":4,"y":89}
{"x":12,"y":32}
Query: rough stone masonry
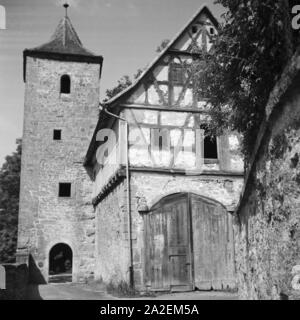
{"x":268,"y":241}
{"x":45,"y":218}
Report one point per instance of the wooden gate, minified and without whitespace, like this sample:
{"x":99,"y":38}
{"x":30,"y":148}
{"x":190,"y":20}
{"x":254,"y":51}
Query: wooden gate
{"x":188,"y":245}
{"x":168,"y":265}
{"x":213,"y":249}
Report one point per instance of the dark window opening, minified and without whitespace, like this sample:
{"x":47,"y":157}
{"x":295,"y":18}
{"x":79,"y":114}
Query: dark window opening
{"x":65,"y":84}
{"x":194,"y":29}
{"x":210,"y":144}
{"x":177,"y":74}
{"x":60,"y":263}
{"x":160,"y":143}
{"x":56,"y":134}
{"x":212,"y":31}
{"x":64,"y":190}
{"x":210,"y":147}
{"x":160,"y":139}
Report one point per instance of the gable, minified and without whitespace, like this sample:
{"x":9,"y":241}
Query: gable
{"x":198,"y":34}
{"x":153,"y":86}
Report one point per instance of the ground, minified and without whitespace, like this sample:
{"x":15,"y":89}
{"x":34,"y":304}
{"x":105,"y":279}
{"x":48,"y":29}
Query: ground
{"x":75,"y":291}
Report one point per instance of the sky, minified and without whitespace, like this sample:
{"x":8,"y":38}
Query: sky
{"x":125,"y":32}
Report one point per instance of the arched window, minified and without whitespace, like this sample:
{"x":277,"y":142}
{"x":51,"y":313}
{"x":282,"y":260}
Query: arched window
{"x":65,"y":84}
{"x":60,"y":263}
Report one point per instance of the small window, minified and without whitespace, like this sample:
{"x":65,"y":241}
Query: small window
{"x":160,"y":143}
{"x":56,"y":134}
{"x":65,"y":84}
{"x":194,"y":29}
{"x":211,"y":31}
{"x":177,"y":74}
{"x":64,"y":190}
{"x":210,"y":145}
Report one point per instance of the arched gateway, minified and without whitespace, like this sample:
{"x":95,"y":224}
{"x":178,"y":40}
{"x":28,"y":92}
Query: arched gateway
{"x":60,"y":263}
{"x":189,"y":244}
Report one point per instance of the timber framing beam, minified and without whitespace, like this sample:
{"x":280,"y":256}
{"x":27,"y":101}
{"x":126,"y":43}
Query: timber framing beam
{"x":162,"y":108}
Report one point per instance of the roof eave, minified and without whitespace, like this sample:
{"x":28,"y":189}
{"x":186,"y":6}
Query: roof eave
{"x":60,"y":57}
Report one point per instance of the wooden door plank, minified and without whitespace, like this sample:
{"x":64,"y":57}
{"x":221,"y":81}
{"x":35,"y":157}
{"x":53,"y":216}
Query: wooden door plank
{"x":213,"y":245}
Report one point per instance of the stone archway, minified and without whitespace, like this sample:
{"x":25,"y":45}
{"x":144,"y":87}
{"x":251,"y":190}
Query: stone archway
{"x":188,"y":244}
{"x":60,"y":263}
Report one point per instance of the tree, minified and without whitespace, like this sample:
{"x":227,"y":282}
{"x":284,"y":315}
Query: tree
{"x":9,"y":204}
{"x":126,"y":81}
{"x":254,"y":44}
{"x":123,"y":84}
{"x":163,"y":45}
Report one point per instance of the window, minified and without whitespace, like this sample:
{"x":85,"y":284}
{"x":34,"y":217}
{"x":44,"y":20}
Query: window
{"x":194,"y":29}
{"x":210,"y":144}
{"x":56,"y":134}
{"x":177,"y":74}
{"x":210,"y":147}
{"x":211,"y":31}
{"x":64,"y":190}
{"x":160,"y":143}
{"x":65,"y":84}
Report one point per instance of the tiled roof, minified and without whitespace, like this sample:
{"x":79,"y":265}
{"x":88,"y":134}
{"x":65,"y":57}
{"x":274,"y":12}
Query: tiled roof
{"x":64,"y":40}
{"x":64,"y":45}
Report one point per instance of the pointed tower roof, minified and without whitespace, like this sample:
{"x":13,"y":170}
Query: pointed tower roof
{"x":64,"y":40}
{"x":64,"y":45}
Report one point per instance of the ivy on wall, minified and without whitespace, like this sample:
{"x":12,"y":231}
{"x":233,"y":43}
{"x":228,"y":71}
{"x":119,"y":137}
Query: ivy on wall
{"x":254,"y":44}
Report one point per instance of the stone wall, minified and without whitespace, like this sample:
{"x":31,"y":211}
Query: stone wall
{"x":268,"y":242}
{"x":147,"y":188}
{"x":112,"y":245}
{"x":44,"y":218}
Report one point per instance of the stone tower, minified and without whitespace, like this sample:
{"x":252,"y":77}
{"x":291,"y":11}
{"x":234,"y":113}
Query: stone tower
{"x":56,"y":220}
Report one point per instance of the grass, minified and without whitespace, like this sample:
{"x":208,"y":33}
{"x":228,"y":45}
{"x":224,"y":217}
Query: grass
{"x":123,"y":290}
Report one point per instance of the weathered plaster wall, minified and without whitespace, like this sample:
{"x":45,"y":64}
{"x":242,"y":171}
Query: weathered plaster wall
{"x":268,"y":242}
{"x":179,"y":130}
{"x":45,"y":219}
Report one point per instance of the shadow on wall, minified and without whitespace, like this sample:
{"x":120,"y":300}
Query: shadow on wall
{"x":21,"y":281}
{"x":33,"y":293}
{"x":35,"y":275}
{"x":16,"y":280}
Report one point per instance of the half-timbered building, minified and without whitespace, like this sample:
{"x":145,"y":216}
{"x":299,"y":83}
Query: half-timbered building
{"x":164,"y":190}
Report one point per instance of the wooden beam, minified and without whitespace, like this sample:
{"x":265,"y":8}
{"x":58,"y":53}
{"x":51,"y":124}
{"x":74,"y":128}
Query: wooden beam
{"x":188,"y":172}
{"x":162,"y":108}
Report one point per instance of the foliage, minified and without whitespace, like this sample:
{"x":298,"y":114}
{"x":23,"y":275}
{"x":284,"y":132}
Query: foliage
{"x":121,"y":289}
{"x":9,"y":205}
{"x":126,"y":80}
{"x":163,"y":45}
{"x":123,"y":84}
{"x":254,"y":44}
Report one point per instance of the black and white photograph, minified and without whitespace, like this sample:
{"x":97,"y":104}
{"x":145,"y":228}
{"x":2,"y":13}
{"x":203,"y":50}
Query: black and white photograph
{"x":149,"y":152}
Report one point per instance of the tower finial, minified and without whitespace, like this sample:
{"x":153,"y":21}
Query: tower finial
{"x":66,"y":6}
